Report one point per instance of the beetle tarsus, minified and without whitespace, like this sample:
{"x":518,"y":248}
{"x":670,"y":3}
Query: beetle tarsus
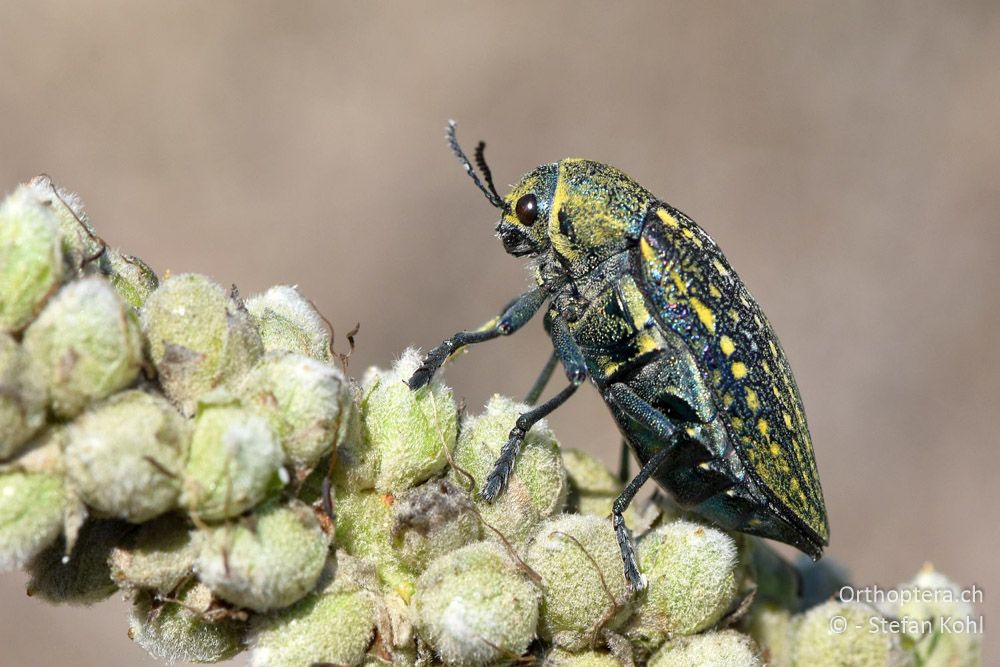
{"x":636,"y":580}
{"x":496,"y":481}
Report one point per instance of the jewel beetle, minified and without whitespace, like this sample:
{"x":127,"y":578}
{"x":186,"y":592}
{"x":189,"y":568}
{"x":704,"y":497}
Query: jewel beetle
{"x":640,"y":300}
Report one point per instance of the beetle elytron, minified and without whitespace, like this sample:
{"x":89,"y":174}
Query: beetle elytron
{"x":642,"y":301}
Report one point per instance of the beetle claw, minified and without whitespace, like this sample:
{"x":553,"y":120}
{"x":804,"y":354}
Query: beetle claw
{"x":420,"y":377}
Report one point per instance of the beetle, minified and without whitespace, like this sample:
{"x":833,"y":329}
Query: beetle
{"x":640,"y":300}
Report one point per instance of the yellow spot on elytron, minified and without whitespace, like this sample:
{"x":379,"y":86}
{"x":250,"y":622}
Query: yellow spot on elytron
{"x":727,"y":400}
{"x":763,"y":426}
{"x":739,"y":370}
{"x":714,"y":291}
{"x":678,"y":281}
{"x":802,"y":495}
{"x":788,"y":419}
{"x":774,"y":390}
{"x":716,"y":377}
{"x":794,"y":484}
{"x":737,"y":423}
{"x":690,"y":431}
{"x":731,"y":493}
{"x":727,"y":345}
{"x":733,"y":315}
{"x":647,"y":251}
{"x":668,"y":219}
{"x":705,"y":314}
{"x":775,"y":450}
{"x":720,"y":268}
{"x":647,"y":342}
{"x":687,"y":233}
{"x":767,"y":367}
{"x":757,"y":320}
{"x":774,"y":350}
{"x":704,"y":466}
{"x":752,"y":401}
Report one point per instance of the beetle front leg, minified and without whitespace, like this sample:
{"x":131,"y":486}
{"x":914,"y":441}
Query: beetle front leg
{"x":624,"y":398}
{"x":576,"y":371}
{"x":514,"y":316}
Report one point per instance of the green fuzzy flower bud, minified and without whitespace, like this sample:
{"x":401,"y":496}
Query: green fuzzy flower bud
{"x":86,"y":345}
{"x":31,"y":261}
{"x":713,"y":649}
{"x":772,"y":627}
{"x":307,"y":403}
{"x":82,"y":576}
{"x":131,"y":276}
{"x":233,"y":462}
{"x":125,"y":457}
{"x":839,"y":634}
{"x":182,"y":630}
{"x":580,"y":564}
{"x":563,"y":658}
{"x":536,"y":489}
{"x":332,"y":626}
{"x":268,"y":561}
{"x":80,"y":244}
{"x":431,"y":520}
{"x":22,"y":398}
{"x":474,"y":606}
{"x":932,"y":600}
{"x":406,"y":433}
{"x":288,"y":321}
{"x":31,"y":515}
{"x":364,"y":529}
{"x":691,"y":573}
{"x":200,"y":337}
{"x":159,"y":556}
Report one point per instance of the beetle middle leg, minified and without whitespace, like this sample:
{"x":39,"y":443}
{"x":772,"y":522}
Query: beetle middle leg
{"x":624,"y":398}
{"x":575,"y":366}
{"x":514,"y":316}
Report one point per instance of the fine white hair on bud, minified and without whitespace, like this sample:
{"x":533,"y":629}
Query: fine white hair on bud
{"x":578,"y":558}
{"x":475,"y":606}
{"x":307,"y":403}
{"x":691,"y":572}
{"x":183,"y":629}
{"x":125,"y":457}
{"x":32,"y":506}
{"x":406,"y":434}
{"x":266,"y":562}
{"x":537,"y":487}
{"x":233,"y":462}
{"x":727,"y":648}
{"x":31,"y":261}
{"x":287,"y":321}
{"x":22,"y":398}
{"x":86,"y":345}
{"x":200,"y":337}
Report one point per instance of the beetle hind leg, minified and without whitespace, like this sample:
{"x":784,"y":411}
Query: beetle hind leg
{"x":623,"y":398}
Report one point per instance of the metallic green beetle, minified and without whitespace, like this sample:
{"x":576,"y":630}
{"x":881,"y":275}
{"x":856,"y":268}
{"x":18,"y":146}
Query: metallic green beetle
{"x":642,"y":301}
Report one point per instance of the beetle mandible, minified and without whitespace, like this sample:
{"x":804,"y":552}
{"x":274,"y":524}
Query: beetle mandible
{"x":641,"y":301}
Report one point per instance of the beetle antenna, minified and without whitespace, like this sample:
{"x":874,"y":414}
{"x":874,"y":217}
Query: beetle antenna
{"x":484,"y":168}
{"x":491,"y":192}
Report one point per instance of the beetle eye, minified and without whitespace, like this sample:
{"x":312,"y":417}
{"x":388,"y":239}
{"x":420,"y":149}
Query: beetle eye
{"x":526,"y":210}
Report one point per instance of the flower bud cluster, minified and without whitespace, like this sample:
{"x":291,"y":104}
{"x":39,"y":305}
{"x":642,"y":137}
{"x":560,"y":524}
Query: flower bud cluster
{"x":210,"y":459}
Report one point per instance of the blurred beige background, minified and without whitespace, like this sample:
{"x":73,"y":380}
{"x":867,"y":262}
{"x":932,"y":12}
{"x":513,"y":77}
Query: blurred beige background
{"x":845,"y":156}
